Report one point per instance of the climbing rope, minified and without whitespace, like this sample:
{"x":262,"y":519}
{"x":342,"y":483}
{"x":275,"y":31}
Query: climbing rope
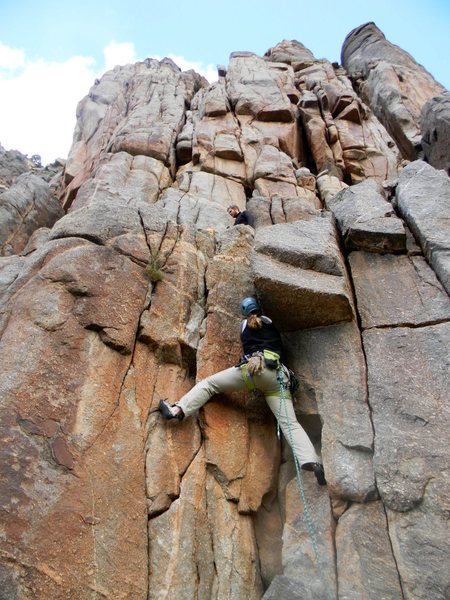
{"x":306,"y":511}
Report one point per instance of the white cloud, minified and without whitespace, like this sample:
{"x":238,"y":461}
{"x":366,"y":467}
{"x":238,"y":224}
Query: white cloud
{"x":119,"y":54}
{"x":38,"y":104}
{"x":38,"y":99}
{"x":11,"y":58}
{"x":208,"y":71}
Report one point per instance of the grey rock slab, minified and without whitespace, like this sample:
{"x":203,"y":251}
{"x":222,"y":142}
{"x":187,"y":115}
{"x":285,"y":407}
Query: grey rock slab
{"x":389,"y":79}
{"x":409,"y":384}
{"x":423,"y":200}
{"x":300,"y":275}
{"x":435,"y":127}
{"x":186,"y":208}
{"x":25,"y":207}
{"x":126,"y":178}
{"x":366,"y":220}
{"x":316,"y":581}
{"x":365,"y":563}
{"x":284,"y":587}
{"x":330,"y":364}
{"x":421,"y":542}
{"x":104,"y":221}
{"x":310,"y":245}
{"x":254,"y":88}
{"x":397,"y":290}
{"x":298,"y":298}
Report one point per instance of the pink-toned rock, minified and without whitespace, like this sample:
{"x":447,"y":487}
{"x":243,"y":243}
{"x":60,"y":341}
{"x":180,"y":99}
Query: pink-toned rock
{"x":393,"y":84}
{"x":264,"y":99}
{"x":70,"y":433}
{"x":134,"y":295}
{"x":154,"y":117}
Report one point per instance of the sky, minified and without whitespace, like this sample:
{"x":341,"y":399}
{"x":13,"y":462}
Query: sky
{"x":51,"y":51}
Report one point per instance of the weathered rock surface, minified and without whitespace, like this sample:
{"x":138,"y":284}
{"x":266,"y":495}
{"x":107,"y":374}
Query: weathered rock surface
{"x":138,"y":109}
{"x":12,"y":164}
{"x":423,"y":200}
{"x":435,"y":128}
{"x":408,"y":381}
{"x":133,"y":296}
{"x":333,"y":374}
{"x":366,"y":565}
{"x":397,"y":290}
{"x":391,"y":83}
{"x":344,"y":137}
{"x":303,"y":577}
{"x":300,"y":275}
{"x":25,"y":207}
{"x":366,"y":220}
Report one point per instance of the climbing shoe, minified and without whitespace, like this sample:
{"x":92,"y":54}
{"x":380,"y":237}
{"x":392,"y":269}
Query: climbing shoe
{"x":170,"y":412}
{"x":318,"y":472}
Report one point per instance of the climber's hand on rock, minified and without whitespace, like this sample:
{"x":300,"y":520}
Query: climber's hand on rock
{"x":255,"y":365}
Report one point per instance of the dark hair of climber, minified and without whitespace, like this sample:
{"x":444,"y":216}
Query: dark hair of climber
{"x":261,"y":367}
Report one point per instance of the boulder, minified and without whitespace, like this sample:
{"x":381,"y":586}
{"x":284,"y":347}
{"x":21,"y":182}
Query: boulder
{"x":264,"y":99}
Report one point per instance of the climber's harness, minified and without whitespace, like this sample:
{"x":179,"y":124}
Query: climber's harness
{"x":272,"y":361}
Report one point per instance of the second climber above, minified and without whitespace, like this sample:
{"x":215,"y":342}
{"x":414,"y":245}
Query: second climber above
{"x":260,"y":368}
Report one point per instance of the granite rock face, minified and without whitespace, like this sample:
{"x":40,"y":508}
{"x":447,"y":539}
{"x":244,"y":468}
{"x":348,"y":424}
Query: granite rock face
{"x":391,"y":82}
{"x":423,"y":200}
{"x":366,"y":220}
{"x":25,"y":207}
{"x":435,"y":128}
{"x":133,"y":295}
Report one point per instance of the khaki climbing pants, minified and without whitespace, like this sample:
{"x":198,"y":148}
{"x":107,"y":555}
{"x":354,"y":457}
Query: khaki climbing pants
{"x":232,"y":380}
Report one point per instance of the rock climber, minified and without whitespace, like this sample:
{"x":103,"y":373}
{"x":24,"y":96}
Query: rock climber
{"x":240,"y":217}
{"x":259,"y":368}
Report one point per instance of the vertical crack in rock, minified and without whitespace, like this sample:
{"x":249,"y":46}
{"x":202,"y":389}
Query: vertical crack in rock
{"x":388,"y":530}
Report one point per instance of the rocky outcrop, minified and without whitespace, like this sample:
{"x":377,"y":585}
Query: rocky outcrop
{"x":25,"y":207}
{"x":423,"y":200}
{"x":133,"y":296}
{"x":366,"y":220}
{"x":435,"y":128}
{"x":12,"y":164}
{"x":391,"y":82}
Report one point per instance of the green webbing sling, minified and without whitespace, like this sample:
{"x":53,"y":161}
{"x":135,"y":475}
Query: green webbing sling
{"x":246,"y":377}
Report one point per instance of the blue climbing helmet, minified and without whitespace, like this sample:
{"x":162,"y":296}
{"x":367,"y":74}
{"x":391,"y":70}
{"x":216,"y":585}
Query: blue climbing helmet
{"x":249,"y":305}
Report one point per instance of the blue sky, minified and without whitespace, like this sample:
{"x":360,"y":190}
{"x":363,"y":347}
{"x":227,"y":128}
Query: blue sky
{"x":51,"y":50}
